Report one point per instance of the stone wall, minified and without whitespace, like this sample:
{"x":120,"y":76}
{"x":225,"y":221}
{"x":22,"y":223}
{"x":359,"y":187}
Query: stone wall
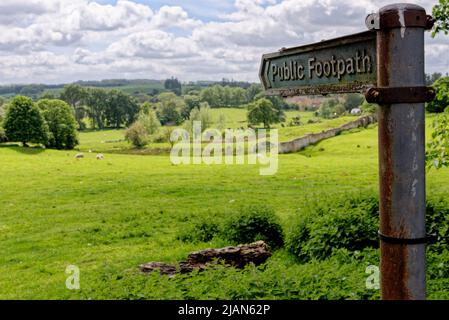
{"x":313,"y":138}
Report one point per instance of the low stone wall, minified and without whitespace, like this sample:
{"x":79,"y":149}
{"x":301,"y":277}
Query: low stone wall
{"x":313,"y":138}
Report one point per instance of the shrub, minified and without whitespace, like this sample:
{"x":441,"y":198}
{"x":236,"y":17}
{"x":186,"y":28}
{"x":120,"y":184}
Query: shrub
{"x":352,"y":223}
{"x":3,"y":137}
{"x":204,"y":231}
{"x":61,"y":124}
{"x":137,"y":135}
{"x":150,"y":121}
{"x":254,"y":223}
{"x":24,"y":122}
{"x":349,"y":223}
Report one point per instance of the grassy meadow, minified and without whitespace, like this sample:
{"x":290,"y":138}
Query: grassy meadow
{"x":107,"y":217}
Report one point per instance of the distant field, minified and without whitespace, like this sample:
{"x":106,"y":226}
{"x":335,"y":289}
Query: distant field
{"x":113,"y":140}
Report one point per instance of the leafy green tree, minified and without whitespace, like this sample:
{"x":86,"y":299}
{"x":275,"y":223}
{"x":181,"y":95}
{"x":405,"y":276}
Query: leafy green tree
{"x":173,"y":85}
{"x":441,"y":100}
{"x":24,"y":122}
{"x":75,"y":95}
{"x":201,"y":114}
{"x":120,"y":108}
{"x":137,"y":135}
{"x":263,"y":111}
{"x":339,"y":109}
{"x":169,"y":108}
{"x":150,"y":121}
{"x":353,"y":100}
{"x":97,"y":102}
{"x":253,"y":91}
{"x":440,"y":13}
{"x":191,"y":102}
{"x":61,"y":123}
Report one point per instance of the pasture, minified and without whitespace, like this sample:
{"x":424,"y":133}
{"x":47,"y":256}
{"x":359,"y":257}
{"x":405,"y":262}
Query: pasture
{"x":109,"y":216}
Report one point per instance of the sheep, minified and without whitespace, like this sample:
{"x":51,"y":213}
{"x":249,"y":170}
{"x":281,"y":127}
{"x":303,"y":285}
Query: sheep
{"x":100,"y":157}
{"x":79,"y":156}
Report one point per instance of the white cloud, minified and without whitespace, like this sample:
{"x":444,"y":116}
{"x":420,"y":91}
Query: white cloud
{"x":63,"y":40}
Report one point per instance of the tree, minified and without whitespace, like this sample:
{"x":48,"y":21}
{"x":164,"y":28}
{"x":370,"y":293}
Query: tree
{"x":120,"y":108}
{"x":149,"y":121}
{"x":61,"y":123}
{"x":137,"y":135}
{"x":441,"y":100}
{"x":431,"y":78}
{"x":96,"y":101}
{"x":74,"y":95}
{"x":262,"y":111}
{"x":191,"y":102}
{"x":169,"y":108}
{"x":24,"y":122}
{"x":353,"y":100}
{"x":201,"y":114}
{"x":440,"y":13}
{"x":173,"y":85}
{"x":253,"y":91}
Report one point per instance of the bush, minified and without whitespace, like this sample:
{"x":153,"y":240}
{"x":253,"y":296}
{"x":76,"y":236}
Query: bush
{"x":3,"y":137}
{"x":254,"y":223}
{"x":137,"y":135}
{"x":61,"y":124}
{"x":349,"y":223}
{"x":204,"y":231}
{"x":352,"y":223}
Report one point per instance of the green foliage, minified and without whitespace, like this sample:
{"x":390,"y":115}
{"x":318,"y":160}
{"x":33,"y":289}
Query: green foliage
{"x":252,"y":223}
{"x":149,"y":121}
{"x":353,"y":100}
{"x":431,"y":78}
{"x":263,"y":111}
{"x":24,"y":122}
{"x":137,"y":134}
{"x":349,"y":223}
{"x":441,"y":100}
{"x":61,"y":124}
{"x":3,"y":137}
{"x":173,"y":85}
{"x":437,"y":152}
{"x":74,"y":95}
{"x":253,"y":91}
{"x":191,"y":102}
{"x":203,"y":231}
{"x":369,"y":107}
{"x":437,"y":222}
{"x":440,"y":13}
{"x":224,"y":96}
{"x":169,"y":108}
{"x":201,"y":114}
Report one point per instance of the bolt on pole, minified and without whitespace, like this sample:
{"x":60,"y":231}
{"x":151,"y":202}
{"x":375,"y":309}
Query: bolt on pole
{"x":400,"y":54}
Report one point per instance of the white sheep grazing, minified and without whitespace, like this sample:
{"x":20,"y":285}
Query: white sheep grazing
{"x":79,"y":156}
{"x":100,"y":157}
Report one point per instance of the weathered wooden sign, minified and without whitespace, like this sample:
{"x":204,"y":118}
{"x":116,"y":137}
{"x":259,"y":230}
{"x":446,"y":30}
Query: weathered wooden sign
{"x":346,"y":64}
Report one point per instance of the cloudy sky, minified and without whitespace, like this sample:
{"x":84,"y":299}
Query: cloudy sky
{"x":58,"y":41}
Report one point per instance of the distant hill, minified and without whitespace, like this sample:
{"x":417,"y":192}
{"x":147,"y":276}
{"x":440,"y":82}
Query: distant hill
{"x":134,"y":87}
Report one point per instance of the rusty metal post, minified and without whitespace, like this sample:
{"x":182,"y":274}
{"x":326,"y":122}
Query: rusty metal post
{"x":400,"y":53}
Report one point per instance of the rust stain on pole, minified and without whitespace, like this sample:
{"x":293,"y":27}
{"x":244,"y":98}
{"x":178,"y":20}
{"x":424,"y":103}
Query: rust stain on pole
{"x":400,"y":53}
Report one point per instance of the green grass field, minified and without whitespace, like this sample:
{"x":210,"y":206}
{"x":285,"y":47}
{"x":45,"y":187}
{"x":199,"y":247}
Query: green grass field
{"x":107,"y":217}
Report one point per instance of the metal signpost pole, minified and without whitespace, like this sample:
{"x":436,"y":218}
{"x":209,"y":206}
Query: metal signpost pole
{"x":401,"y":95}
